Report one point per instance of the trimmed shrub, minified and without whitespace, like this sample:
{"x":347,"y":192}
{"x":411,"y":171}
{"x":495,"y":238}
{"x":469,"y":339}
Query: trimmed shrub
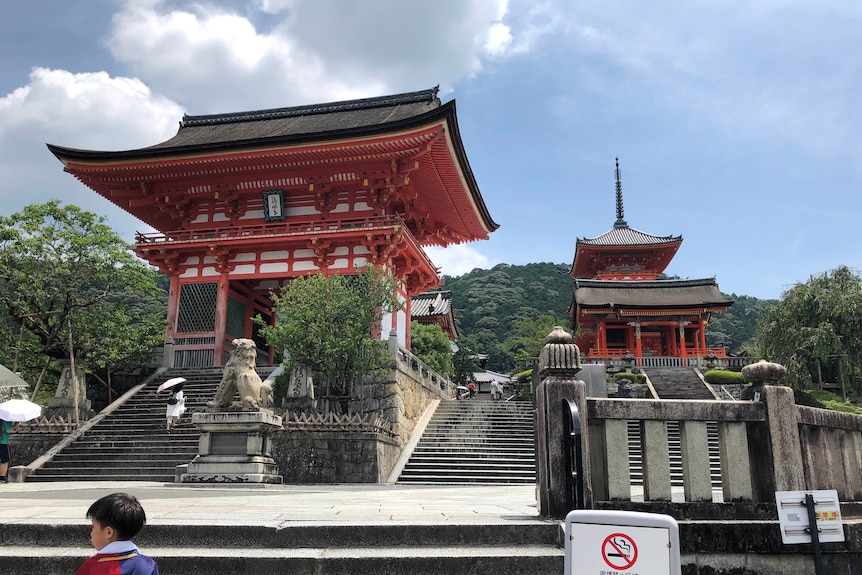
{"x":722,"y":377}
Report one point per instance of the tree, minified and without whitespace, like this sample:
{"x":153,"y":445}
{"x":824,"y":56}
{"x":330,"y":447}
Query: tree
{"x":815,"y":324}
{"x":326,"y":323}
{"x":527,"y":339}
{"x":429,"y":343}
{"x":63,"y":266}
{"x":465,"y":360}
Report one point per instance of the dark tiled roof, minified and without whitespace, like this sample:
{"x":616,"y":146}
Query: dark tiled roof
{"x":649,"y":294}
{"x":429,"y":304}
{"x":301,"y":120}
{"x":623,"y":235}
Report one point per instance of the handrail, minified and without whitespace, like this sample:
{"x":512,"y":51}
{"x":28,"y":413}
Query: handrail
{"x":574,"y":461}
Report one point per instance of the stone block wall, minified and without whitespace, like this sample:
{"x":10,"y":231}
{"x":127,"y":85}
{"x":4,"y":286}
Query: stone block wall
{"x":27,"y":447}
{"x":305,"y":457}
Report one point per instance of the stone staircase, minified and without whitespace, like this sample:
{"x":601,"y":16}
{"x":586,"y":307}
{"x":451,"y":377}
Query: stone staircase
{"x":511,"y":548}
{"x":677,"y":383}
{"x":130,"y":443}
{"x":475,"y":441}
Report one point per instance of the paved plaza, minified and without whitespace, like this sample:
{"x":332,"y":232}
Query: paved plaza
{"x":274,"y":505}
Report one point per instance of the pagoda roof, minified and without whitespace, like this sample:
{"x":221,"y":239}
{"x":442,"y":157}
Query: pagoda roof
{"x":621,"y":235}
{"x":395,"y":131}
{"x":435,"y":307}
{"x":653,"y":294}
{"x":429,"y":304}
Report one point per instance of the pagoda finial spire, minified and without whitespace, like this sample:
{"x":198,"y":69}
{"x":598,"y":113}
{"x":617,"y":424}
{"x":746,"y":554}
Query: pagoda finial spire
{"x":621,"y":221}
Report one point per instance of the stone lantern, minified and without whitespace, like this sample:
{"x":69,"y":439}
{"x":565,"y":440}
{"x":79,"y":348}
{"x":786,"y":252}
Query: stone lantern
{"x":629,"y":362}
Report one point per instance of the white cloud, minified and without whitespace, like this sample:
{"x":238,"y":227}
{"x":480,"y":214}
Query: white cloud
{"x":458,"y":259}
{"x":91,"y":111}
{"x":215,"y":60}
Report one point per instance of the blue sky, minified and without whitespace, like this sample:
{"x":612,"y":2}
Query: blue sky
{"x":736,"y":122}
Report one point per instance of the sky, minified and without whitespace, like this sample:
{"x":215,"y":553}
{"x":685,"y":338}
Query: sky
{"x":736,"y":122}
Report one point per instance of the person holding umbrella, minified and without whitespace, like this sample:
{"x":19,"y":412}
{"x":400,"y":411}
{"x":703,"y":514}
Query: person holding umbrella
{"x":5,"y":449}
{"x":176,"y":401}
{"x":11,"y":412}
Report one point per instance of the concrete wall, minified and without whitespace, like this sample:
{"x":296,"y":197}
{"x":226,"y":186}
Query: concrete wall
{"x":26,"y":447}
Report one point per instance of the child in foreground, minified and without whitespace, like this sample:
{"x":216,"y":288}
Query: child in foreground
{"x":116,"y":519}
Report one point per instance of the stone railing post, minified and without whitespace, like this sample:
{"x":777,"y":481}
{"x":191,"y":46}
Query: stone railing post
{"x":559,"y":362}
{"x":774,"y":449}
{"x":168,"y":353}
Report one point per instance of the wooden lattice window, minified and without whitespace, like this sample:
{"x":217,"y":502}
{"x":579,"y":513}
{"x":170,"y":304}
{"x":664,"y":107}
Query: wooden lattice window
{"x":236,"y":316}
{"x":197,"y":308}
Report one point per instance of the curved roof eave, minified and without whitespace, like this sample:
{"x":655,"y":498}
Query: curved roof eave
{"x":445,"y":112}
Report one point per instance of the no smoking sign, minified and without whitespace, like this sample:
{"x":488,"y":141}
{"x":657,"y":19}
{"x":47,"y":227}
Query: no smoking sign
{"x":619,"y":551}
{"x":621,"y":543}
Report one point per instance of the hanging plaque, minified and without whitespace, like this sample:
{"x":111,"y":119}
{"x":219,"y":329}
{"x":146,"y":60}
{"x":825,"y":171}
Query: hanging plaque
{"x":273,"y":205}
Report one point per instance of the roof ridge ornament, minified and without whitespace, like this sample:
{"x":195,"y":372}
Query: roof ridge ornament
{"x":621,"y":221}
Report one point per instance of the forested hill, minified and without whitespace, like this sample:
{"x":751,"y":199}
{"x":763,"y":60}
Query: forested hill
{"x":497,"y":306}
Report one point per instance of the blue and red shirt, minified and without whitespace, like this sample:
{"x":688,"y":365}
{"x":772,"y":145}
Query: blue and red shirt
{"x":118,"y":558}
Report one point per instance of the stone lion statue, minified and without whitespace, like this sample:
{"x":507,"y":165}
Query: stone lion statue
{"x":240,"y":377}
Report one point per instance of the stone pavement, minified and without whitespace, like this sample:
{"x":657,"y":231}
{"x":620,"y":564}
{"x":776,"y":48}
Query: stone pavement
{"x":274,"y":505}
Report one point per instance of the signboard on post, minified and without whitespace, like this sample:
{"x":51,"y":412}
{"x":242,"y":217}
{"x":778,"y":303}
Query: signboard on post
{"x":793,"y":516}
{"x":621,"y":543}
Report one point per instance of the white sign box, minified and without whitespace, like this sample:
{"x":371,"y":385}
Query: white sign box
{"x":621,"y":543}
{"x":793,"y":516}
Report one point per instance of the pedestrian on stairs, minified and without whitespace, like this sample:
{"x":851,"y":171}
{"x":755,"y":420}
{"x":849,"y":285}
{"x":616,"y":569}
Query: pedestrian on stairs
{"x":175,"y":408}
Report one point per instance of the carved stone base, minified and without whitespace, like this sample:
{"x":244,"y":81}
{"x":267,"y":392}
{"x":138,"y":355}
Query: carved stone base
{"x":234,"y":448}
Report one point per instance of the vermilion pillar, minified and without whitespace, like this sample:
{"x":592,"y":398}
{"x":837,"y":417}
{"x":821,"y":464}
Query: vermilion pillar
{"x":221,"y":318}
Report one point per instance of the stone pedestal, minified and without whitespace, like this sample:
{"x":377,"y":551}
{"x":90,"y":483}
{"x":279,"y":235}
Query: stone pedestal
{"x":234,"y":448}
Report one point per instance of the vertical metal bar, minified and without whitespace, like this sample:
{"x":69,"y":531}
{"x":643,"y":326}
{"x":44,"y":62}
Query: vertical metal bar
{"x":815,"y":535}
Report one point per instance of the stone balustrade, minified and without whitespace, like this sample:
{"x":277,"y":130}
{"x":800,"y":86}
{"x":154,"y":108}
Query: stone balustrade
{"x":767,"y":446}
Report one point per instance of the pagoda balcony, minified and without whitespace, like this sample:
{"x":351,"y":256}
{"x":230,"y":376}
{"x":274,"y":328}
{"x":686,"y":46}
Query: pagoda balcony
{"x":276,"y":232}
{"x":691,"y":352}
{"x":620,"y":361}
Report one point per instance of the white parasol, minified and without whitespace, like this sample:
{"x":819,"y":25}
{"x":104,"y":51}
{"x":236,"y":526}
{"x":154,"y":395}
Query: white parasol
{"x":170,"y":383}
{"x":19,"y":410}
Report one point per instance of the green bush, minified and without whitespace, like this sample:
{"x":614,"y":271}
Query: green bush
{"x":633,"y":377}
{"x":525,"y":376}
{"x":807,"y":398}
{"x":828,"y":400}
{"x":722,"y":377}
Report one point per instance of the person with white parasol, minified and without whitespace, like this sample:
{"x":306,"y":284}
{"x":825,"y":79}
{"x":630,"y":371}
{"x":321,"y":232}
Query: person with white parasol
{"x":176,"y":401}
{"x":12,"y":412}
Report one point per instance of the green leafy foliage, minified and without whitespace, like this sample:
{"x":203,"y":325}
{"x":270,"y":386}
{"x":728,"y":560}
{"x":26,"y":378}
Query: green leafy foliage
{"x":61,"y":266}
{"x":734,"y":329}
{"x":465,"y":360}
{"x":327,"y":322}
{"x":493,"y":305}
{"x":633,"y":377}
{"x":508,"y":307}
{"x":824,"y":400}
{"x":429,"y":343}
{"x":815,"y":330}
{"x":723,"y":377}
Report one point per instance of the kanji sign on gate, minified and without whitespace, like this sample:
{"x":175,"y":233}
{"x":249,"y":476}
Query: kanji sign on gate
{"x":621,"y":543}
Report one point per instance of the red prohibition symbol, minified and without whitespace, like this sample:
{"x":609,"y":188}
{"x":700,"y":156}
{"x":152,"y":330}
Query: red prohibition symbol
{"x":619,"y":551}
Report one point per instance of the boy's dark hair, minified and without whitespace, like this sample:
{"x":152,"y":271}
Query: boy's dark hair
{"x":120,"y":511}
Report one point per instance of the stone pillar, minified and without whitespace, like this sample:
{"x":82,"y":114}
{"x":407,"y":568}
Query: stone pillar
{"x":774,"y":447}
{"x":63,"y":403}
{"x":168,"y":353}
{"x":559,"y":362}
